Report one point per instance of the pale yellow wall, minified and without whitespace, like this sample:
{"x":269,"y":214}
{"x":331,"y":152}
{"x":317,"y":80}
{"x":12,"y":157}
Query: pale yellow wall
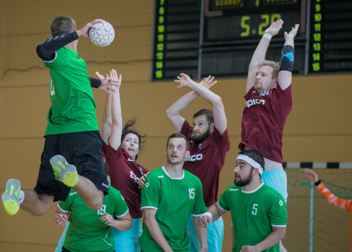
{"x":318,"y":128}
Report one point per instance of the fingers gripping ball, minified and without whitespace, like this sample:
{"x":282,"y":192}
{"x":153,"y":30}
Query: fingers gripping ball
{"x":103,"y":36}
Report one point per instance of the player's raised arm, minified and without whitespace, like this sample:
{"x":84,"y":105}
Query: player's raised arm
{"x":260,"y":52}
{"x":116,"y":127}
{"x":287,"y":59}
{"x":328,"y":195}
{"x":174,"y":111}
{"x":47,"y":49}
{"x":154,"y":229}
{"x":219,"y":115}
{"x":107,"y":119}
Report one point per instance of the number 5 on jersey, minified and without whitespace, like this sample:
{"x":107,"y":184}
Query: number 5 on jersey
{"x":255,"y":209}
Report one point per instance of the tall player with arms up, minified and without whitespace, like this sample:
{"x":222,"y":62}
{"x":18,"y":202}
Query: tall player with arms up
{"x":121,"y":146}
{"x":209,"y":143}
{"x":268,"y":103}
{"x":72,"y":131}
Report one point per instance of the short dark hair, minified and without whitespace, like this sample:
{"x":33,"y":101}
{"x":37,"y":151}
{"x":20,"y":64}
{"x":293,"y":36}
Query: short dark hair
{"x":62,"y":25}
{"x":178,"y":135}
{"x":128,"y":129}
{"x":256,"y":156}
{"x":208,"y":114}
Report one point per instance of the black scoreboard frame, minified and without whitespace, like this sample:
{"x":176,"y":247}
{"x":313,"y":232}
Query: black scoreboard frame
{"x":218,"y":37}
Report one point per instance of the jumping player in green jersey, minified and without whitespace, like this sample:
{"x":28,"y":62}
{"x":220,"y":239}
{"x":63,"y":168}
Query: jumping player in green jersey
{"x":72,"y":131}
{"x":169,"y":197}
{"x":258,"y":211}
{"x":90,"y":230}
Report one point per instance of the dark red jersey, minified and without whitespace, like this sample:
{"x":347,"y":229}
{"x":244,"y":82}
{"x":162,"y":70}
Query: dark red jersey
{"x":124,"y":175}
{"x":206,"y":160}
{"x":263,"y":121}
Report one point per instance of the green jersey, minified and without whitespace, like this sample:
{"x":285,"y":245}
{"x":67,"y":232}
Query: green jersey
{"x":86,"y":231}
{"x":73,"y":106}
{"x":253,"y":213}
{"x":175,"y":199}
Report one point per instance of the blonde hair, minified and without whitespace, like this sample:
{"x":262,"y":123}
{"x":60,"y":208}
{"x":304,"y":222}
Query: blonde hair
{"x":274,"y":65}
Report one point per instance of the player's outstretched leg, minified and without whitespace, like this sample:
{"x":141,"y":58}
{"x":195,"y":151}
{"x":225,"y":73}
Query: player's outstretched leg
{"x":67,"y":174}
{"x":64,"y":172}
{"x":14,"y":198}
{"x":10,"y":198}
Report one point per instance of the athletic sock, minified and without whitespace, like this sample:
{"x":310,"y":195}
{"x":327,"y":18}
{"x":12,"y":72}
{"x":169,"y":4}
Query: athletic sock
{"x":21,"y":197}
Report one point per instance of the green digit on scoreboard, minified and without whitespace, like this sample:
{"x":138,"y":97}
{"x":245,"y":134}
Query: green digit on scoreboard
{"x":263,"y":24}
{"x":245,"y":26}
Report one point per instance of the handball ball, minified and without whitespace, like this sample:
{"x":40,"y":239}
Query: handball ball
{"x":104,"y":34}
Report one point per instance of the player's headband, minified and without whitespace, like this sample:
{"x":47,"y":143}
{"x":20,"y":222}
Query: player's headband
{"x":251,"y":161}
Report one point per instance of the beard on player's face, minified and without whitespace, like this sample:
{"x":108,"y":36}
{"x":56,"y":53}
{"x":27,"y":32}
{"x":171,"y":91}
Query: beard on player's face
{"x":198,"y":137}
{"x":239,"y":181}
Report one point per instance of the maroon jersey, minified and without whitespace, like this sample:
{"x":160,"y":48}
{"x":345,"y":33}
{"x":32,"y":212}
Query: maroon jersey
{"x":124,"y":175}
{"x":206,"y":161}
{"x":263,"y":121}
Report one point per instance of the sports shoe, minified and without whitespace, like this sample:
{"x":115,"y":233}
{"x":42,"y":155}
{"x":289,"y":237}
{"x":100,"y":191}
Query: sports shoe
{"x":10,"y":198}
{"x":63,"y":171}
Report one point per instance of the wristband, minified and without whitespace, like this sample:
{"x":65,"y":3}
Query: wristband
{"x":208,"y":214}
{"x":267,"y":36}
{"x":317,"y":183}
{"x":289,"y":35}
{"x":96,"y":83}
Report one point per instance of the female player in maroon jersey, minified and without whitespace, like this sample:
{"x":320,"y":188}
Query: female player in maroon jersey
{"x":121,"y":146}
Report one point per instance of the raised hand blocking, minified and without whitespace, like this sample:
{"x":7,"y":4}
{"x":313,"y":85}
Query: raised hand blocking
{"x":184,"y":79}
{"x":293,"y":31}
{"x":208,"y":82}
{"x":274,"y":28}
{"x":109,"y":83}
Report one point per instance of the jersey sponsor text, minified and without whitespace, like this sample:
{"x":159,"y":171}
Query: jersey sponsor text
{"x":252,"y":102}
{"x":134,"y":177}
{"x":196,"y":157}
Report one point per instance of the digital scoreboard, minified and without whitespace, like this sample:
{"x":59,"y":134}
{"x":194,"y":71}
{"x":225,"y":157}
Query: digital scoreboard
{"x":219,"y":37}
{"x":241,"y":20}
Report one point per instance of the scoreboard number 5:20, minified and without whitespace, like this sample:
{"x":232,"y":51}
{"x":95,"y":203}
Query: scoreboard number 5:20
{"x":266,"y":21}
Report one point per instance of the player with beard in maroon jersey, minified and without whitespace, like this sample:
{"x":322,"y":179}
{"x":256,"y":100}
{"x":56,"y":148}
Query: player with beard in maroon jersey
{"x":209,"y":143}
{"x":268,"y":103}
